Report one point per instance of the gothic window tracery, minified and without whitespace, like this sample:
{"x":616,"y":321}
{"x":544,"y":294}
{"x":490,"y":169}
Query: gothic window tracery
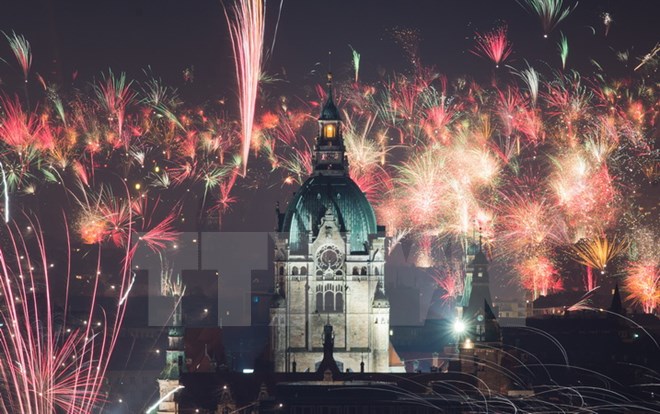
{"x":330,"y":298}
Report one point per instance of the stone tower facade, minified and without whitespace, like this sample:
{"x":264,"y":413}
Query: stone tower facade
{"x":168,"y":380}
{"x":329,"y":267}
{"x":477,"y":292}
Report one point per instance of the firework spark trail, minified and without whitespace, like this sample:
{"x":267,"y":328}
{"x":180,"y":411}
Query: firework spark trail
{"x":51,"y":367}
{"x":365,"y":155}
{"x":356,"y":63}
{"x":562,"y":47}
{"x":450,"y":277}
{"x":246,"y":30}
{"x":569,"y":99}
{"x":539,"y":276}
{"x":493,"y":45}
{"x":595,"y":254}
{"x":584,"y":191}
{"x":18,"y":128}
{"x":528,"y":224}
{"x":531,"y":79}
{"x":115,"y":95}
{"x":607,"y":22}
{"x":5,"y":193}
{"x":22,"y":51}
{"x":649,"y":56}
{"x":549,"y":12}
{"x":643,"y":284}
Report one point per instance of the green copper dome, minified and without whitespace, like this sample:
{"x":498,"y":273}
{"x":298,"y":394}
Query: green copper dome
{"x":346,"y":201}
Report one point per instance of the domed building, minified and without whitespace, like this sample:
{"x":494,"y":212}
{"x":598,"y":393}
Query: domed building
{"x":329,"y":267}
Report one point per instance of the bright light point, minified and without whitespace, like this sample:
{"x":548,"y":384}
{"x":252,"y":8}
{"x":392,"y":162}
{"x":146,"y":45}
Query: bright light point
{"x":459,"y":327}
{"x":248,"y":371}
{"x":138,"y":186}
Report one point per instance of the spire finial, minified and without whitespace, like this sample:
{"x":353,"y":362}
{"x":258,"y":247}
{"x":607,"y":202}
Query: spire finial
{"x":480,"y":235}
{"x":329,"y":81}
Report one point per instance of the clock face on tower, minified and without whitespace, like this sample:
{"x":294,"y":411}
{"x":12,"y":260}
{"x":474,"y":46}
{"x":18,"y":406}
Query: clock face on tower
{"x":329,"y":257}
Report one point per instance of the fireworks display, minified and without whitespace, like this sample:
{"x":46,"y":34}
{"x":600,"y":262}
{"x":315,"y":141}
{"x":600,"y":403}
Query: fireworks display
{"x":549,"y":12}
{"x":493,"y":45}
{"x":546,"y":165}
{"x":247,"y":28}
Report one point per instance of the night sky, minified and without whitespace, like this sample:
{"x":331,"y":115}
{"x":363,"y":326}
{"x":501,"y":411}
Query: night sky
{"x":169,"y":36}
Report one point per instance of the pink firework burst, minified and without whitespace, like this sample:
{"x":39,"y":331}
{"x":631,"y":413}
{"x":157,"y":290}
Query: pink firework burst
{"x":493,"y":45}
{"x":539,"y":276}
{"x":115,"y":94}
{"x":49,"y":364}
{"x":451,"y":278}
{"x":643,"y":284}
{"x":247,"y":29}
{"x":18,"y":129}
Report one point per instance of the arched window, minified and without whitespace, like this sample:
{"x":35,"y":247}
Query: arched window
{"x":330,"y":131}
{"x":319,"y":301}
{"x":329,"y":305}
{"x":303,"y":270}
{"x":294,"y":271}
{"x":339,"y":273}
{"x":376,"y":271}
{"x":356,"y":271}
{"x":339,"y":302}
{"x":363,"y":271}
{"x":281,"y":270}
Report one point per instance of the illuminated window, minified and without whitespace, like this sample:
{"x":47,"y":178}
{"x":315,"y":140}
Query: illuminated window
{"x":330,"y":131}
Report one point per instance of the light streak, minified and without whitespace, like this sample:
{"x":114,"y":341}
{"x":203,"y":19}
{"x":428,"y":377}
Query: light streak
{"x":562,"y":47}
{"x":549,"y":12}
{"x":247,"y":37}
{"x":494,"y":45}
{"x":5,"y":192}
{"x":163,"y":398}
